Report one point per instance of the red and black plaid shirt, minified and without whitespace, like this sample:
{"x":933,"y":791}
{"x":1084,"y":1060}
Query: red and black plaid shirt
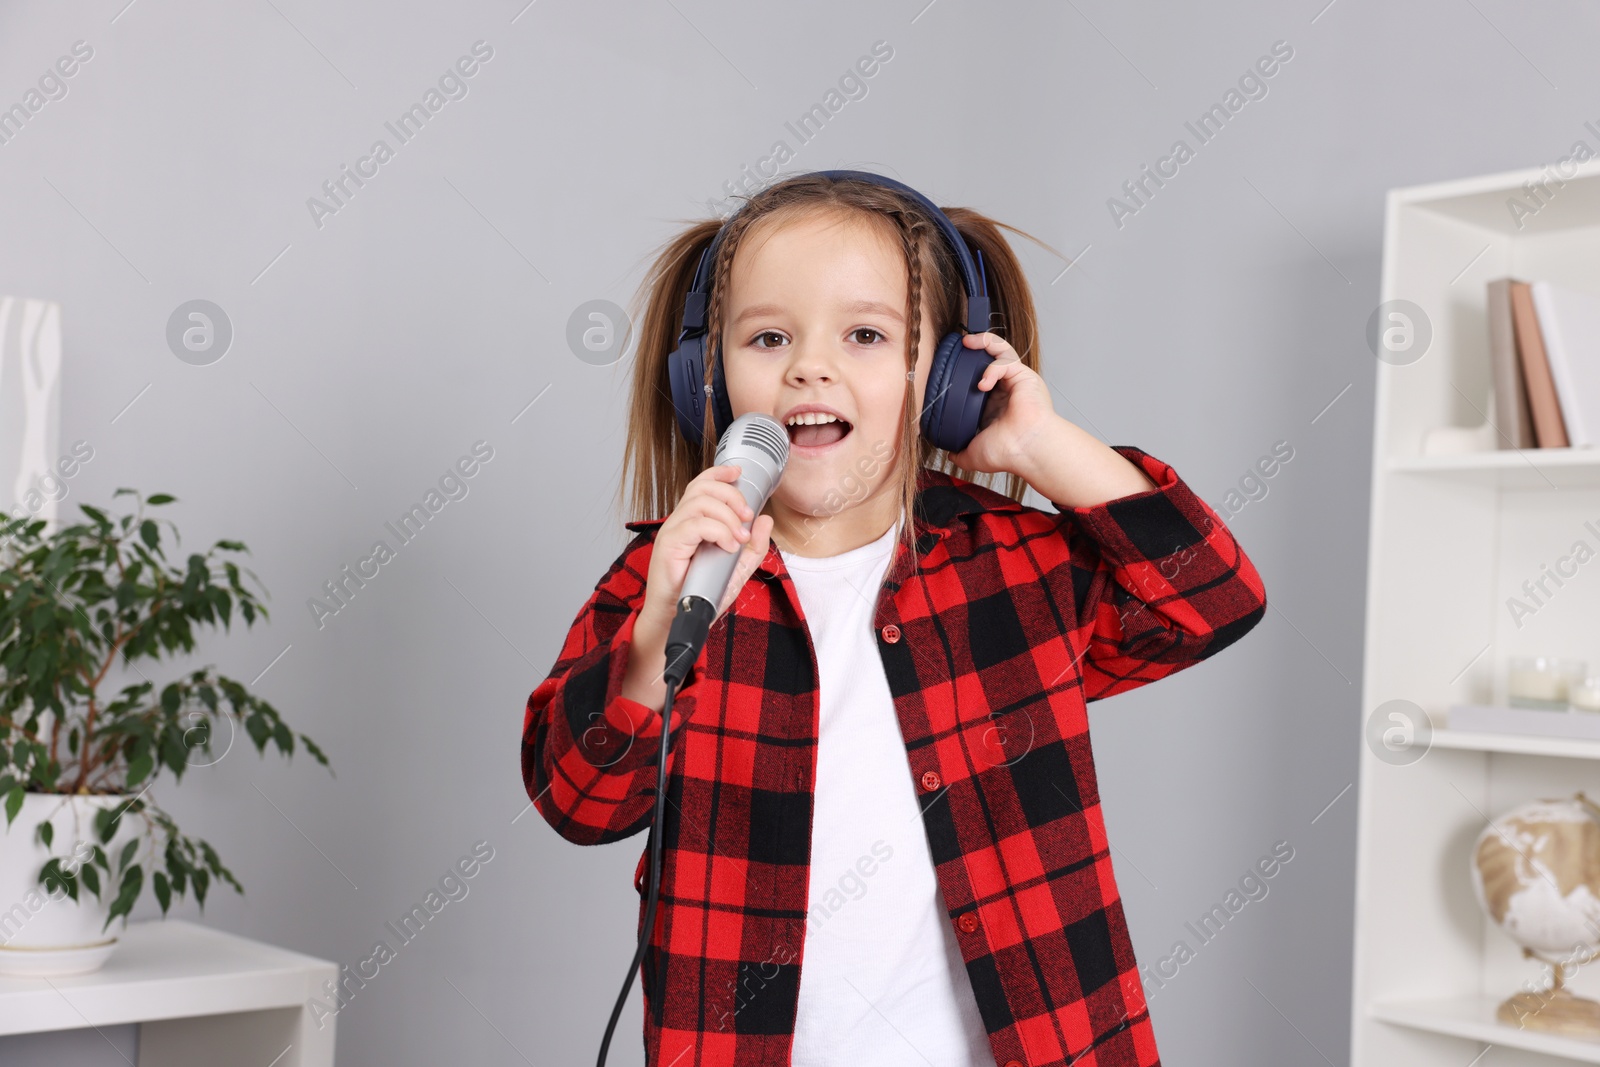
{"x":1017,"y":618}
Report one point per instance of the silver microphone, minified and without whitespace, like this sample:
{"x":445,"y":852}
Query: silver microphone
{"x":759,"y":446}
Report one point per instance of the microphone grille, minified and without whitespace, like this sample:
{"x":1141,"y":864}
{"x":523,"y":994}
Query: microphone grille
{"x":763,"y":432}
{"x":767,"y":436}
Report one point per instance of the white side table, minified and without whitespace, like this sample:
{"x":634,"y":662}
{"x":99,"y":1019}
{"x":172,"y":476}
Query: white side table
{"x":202,"y":997}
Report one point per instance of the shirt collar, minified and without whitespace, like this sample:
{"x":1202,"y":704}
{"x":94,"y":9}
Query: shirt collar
{"x":943,"y":503}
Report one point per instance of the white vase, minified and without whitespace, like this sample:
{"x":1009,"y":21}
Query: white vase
{"x":44,"y":932}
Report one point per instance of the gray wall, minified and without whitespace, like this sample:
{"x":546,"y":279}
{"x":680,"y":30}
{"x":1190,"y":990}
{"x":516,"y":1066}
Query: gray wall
{"x":372,"y":351}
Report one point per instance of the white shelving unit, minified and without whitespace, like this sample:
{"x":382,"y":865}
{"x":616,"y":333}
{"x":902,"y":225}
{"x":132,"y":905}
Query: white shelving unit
{"x":202,"y":998}
{"x":1451,"y":539}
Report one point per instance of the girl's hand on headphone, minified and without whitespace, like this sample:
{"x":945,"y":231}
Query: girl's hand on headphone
{"x":711,"y":509}
{"x":1012,"y":417}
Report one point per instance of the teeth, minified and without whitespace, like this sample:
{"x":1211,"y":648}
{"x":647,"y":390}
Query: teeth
{"x":811,"y":418}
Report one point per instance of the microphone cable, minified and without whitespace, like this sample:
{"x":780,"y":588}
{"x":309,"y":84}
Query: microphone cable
{"x":656,"y":836}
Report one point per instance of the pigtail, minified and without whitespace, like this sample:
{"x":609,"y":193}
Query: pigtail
{"x":721,"y":270}
{"x":713,"y":350}
{"x":913,"y":237}
{"x":657,"y":461}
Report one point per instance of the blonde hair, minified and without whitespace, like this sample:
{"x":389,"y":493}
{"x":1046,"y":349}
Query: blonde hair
{"x":659,"y":463}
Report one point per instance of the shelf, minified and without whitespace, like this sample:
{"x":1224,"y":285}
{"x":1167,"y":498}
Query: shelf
{"x":1472,"y":1018}
{"x":1455,"y":543}
{"x":1520,"y":744}
{"x":1528,"y":468}
{"x":201,"y":996}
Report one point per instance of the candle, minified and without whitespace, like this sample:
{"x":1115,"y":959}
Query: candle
{"x":1542,"y":682}
{"x":1585,"y":695}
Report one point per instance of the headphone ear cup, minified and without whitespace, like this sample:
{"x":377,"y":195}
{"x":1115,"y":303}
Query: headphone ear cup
{"x":933,"y":393}
{"x":952,"y":403}
{"x":686,"y":381}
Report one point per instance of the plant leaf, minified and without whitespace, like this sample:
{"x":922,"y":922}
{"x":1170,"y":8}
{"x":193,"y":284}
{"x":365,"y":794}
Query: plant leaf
{"x":127,"y":893}
{"x":91,"y":878}
{"x":139,"y":767}
{"x":106,"y":821}
{"x":259,"y":730}
{"x":52,"y":877}
{"x":312,"y":747}
{"x":163,"y":891}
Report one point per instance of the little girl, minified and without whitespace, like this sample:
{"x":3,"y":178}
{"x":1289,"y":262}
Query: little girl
{"x":884,"y":842}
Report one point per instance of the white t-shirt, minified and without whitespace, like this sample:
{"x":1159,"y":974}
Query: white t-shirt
{"x":882,"y":980}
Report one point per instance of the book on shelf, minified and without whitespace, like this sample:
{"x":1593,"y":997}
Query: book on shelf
{"x":1483,"y":718}
{"x":1510,"y":395}
{"x":1544,"y":352}
{"x":1549,"y":429}
{"x":1569,"y":322}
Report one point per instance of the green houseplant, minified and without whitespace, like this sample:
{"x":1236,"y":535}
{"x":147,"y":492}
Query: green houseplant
{"x":72,"y":604}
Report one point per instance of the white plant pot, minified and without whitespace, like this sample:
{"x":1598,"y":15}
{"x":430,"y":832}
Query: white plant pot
{"x":45,"y":933}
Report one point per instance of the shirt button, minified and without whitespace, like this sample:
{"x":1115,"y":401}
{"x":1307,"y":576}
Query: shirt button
{"x":968,"y":923}
{"x":1013,"y":1063}
{"x":891,"y":633}
{"x":930,"y":780}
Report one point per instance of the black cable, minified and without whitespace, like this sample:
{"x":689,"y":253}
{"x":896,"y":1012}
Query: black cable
{"x":656,"y":837}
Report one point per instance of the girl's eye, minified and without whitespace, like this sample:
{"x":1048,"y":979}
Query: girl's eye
{"x":866,"y":329}
{"x":766,"y":333}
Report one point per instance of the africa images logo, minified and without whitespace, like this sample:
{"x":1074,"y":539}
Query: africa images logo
{"x":452,"y":485}
{"x":452,"y":86}
{"x":1251,"y":85}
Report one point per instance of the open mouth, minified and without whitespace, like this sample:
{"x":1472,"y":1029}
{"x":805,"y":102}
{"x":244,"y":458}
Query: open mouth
{"x":816,"y":429}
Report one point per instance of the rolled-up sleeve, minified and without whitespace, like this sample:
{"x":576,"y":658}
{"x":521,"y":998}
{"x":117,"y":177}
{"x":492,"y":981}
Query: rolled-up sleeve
{"x":589,"y":754}
{"x":1160,"y":582}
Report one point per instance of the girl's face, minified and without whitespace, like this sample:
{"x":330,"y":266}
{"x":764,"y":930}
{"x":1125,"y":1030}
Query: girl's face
{"x":814,"y":335}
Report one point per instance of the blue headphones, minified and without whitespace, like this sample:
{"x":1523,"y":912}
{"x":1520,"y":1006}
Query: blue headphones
{"x":952,"y":403}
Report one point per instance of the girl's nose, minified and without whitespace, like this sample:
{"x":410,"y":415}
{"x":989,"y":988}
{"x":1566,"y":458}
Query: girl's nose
{"x":807,"y":364}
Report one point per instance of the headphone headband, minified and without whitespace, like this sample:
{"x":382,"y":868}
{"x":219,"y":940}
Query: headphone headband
{"x":973,"y":277}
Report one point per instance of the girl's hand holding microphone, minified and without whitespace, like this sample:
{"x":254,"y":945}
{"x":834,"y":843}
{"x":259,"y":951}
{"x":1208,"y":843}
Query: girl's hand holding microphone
{"x":711,"y":510}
